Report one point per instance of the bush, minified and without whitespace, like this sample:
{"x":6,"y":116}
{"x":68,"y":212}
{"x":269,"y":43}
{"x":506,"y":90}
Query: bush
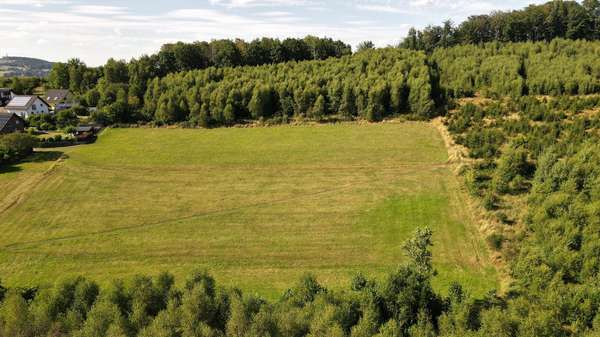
{"x":496,"y":241}
{"x":490,"y":201}
{"x":512,"y":168}
{"x":502,"y":217}
{"x":44,"y":122}
{"x":16,"y":146}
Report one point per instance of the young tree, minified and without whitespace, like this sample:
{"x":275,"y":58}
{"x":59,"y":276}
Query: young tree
{"x":59,"y":76}
{"x":348,"y":105}
{"x":116,"y":71}
{"x":14,"y":316}
{"x":319,"y":110}
{"x":365,"y":45}
{"x":417,"y":249}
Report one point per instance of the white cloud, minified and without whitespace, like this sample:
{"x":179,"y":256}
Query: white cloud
{"x":382,"y":8}
{"x":209,"y":15}
{"x":275,"y":14}
{"x":98,"y":10}
{"x":257,"y":3}
{"x":36,"y":3}
{"x":429,"y":7}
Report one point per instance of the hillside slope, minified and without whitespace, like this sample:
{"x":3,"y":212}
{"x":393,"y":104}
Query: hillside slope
{"x":24,"y":66}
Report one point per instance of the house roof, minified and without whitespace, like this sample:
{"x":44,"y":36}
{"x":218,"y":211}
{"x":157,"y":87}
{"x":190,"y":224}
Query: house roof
{"x":4,"y":118}
{"x":57,"y":95}
{"x":84,"y":128}
{"x":23,"y":102}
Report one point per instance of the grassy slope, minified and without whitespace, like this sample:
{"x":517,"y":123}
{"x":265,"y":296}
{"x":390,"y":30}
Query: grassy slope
{"x":257,"y":207}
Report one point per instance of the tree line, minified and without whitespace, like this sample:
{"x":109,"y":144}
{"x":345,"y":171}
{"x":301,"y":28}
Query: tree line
{"x":370,"y":84}
{"x":555,"y":19}
{"x":176,"y":57}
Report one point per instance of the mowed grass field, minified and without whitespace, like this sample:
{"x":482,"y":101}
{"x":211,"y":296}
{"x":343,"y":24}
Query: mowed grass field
{"x":256,"y":207}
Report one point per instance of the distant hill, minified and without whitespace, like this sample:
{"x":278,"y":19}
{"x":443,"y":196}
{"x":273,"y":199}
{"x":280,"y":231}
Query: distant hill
{"x":24,"y":66}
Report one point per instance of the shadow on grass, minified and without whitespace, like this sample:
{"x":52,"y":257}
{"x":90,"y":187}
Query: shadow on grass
{"x":44,"y":156}
{"x":9,"y":169}
{"x":36,"y":157}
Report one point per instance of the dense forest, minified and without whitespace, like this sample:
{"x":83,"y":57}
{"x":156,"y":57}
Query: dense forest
{"x":555,"y":19}
{"x":371,"y":84}
{"x":560,"y":67}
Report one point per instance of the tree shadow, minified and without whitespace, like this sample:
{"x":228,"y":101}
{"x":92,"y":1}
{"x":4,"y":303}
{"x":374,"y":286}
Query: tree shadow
{"x":36,"y":157}
{"x":9,"y":169}
{"x":44,"y":156}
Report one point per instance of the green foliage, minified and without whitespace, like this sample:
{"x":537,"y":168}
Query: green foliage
{"x":364,"y":84}
{"x":555,"y":267}
{"x":513,"y":168}
{"x":554,"y":19}
{"x":15,"y":146}
{"x":560,"y":67}
{"x":22,"y":85}
{"x":417,"y":249}
{"x":495,"y":240}
{"x":15,"y":317}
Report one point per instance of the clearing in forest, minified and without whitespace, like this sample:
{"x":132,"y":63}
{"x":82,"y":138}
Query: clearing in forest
{"x":256,"y":207}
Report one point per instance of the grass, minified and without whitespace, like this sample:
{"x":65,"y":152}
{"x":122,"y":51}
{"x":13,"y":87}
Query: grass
{"x":256,"y":207}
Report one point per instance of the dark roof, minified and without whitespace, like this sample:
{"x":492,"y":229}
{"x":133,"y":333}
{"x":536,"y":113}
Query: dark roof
{"x":56,"y":95}
{"x":5,"y":117}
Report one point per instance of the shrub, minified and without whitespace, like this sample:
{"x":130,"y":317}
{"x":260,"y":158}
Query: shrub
{"x":490,"y":201}
{"x":16,"y":146}
{"x":496,"y":241}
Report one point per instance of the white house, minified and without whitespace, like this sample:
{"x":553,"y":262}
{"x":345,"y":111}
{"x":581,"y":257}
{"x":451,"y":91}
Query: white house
{"x":25,"y":106}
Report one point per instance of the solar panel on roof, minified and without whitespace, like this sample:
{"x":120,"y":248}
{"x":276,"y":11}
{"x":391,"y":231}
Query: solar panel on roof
{"x":19,"y":101}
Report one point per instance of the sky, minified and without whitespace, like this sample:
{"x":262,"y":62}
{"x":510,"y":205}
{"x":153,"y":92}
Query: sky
{"x":94,"y":30}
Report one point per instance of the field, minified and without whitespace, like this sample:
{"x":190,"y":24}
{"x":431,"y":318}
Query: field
{"x":257,"y":207}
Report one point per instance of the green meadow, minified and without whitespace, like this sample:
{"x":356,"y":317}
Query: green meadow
{"x":256,"y":207}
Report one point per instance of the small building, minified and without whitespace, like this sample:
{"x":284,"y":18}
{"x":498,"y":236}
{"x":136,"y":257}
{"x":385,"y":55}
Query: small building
{"x":85,"y":133}
{"x":10,"y":123}
{"x":59,"y":99}
{"x":26,"y":106}
{"x":6,"y":95}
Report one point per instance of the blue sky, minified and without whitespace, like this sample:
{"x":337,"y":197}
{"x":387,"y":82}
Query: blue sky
{"x":96,"y":30}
